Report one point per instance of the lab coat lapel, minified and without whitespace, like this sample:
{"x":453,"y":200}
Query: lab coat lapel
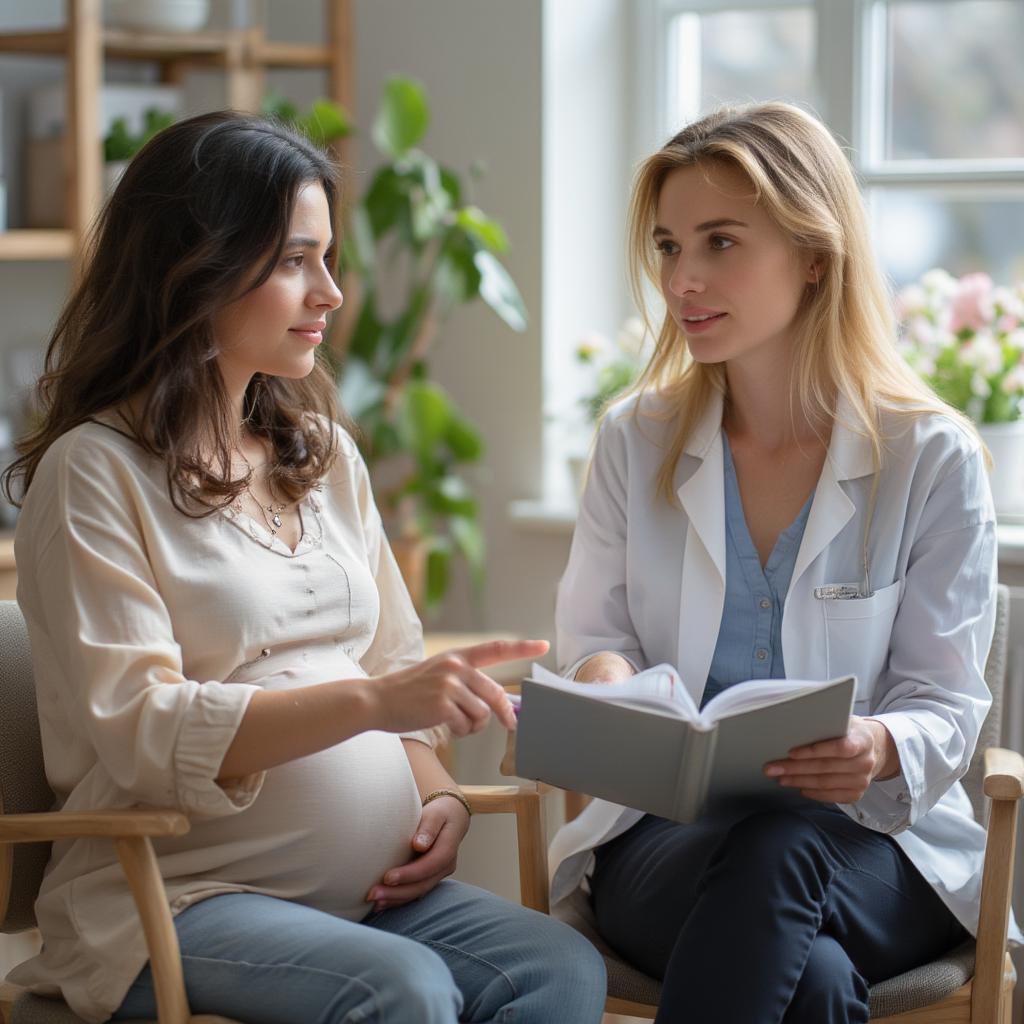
{"x":849,"y":456}
{"x":702,"y":597}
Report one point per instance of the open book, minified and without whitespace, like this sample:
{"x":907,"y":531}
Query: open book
{"x":643,"y":743}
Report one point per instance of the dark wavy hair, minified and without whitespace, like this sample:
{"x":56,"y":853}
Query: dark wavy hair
{"x":205,"y":203}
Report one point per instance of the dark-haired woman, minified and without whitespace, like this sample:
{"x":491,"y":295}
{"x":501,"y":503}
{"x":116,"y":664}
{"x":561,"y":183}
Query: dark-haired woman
{"x":218,"y":626}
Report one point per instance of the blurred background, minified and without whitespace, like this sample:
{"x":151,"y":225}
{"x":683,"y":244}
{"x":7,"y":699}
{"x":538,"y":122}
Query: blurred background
{"x":494,"y":141}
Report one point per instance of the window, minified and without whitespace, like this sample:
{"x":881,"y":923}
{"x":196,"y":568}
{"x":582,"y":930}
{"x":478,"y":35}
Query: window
{"x":929,"y":95}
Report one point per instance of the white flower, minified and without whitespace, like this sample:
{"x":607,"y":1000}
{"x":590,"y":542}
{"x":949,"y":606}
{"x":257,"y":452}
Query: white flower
{"x":980,"y":386}
{"x":1010,"y":302}
{"x":988,"y":353}
{"x":939,"y":281}
{"x":1013,"y":382}
{"x":1016,"y":339}
{"x":912,"y":302}
{"x":632,"y":338}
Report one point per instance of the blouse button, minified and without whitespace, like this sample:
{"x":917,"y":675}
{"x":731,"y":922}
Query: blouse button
{"x":761,"y":654}
{"x":765,"y":602}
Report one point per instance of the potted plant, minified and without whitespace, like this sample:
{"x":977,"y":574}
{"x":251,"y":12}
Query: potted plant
{"x":610,"y":368}
{"x":120,"y":144}
{"x":415,"y":248}
{"x":965,"y":337}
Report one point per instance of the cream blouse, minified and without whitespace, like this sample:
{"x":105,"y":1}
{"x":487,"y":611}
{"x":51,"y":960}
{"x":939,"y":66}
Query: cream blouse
{"x":150,"y":633}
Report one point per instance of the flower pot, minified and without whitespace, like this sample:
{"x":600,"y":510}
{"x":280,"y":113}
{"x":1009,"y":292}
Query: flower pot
{"x":1006,"y":443}
{"x":158,"y":15}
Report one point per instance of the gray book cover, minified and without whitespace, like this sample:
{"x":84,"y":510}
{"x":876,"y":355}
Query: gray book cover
{"x":661,"y":755}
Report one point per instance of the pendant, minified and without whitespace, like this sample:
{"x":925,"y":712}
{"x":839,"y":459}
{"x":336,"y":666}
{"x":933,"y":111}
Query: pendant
{"x":276,"y":520}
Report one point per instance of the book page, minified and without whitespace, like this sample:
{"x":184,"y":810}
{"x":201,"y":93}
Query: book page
{"x":757,"y":693}
{"x":658,"y":688}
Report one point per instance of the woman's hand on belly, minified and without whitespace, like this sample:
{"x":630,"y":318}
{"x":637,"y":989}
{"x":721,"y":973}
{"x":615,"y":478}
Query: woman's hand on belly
{"x":435,"y":846}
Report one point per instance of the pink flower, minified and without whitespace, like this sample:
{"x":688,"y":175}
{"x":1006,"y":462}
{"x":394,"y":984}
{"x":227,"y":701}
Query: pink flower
{"x":972,"y":304}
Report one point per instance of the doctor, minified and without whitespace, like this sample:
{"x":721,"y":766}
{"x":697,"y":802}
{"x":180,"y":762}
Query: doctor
{"x":782,"y":496}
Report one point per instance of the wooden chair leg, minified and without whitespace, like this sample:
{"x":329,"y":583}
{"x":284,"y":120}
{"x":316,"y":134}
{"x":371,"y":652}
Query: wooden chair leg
{"x":140,"y":867}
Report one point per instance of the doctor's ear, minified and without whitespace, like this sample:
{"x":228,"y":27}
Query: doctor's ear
{"x":815,"y":273}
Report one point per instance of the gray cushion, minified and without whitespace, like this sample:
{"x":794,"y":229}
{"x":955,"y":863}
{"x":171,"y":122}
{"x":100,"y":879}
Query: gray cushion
{"x":23,"y":786}
{"x":919,"y":987}
{"x":30,"y":1009}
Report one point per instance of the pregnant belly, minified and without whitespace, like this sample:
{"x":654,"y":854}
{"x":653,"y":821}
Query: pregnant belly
{"x":324,"y":828}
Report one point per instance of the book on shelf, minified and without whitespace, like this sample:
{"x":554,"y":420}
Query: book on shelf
{"x":644,"y":743}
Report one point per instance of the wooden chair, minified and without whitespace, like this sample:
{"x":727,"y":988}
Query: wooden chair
{"x":28,"y":827}
{"x":973,"y":983}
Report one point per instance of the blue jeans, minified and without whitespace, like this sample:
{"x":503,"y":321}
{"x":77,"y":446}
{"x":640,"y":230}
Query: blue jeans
{"x":780,"y":916}
{"x":457,"y":954}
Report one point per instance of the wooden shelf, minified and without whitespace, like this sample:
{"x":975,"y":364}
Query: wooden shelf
{"x":36,"y":245}
{"x":292,"y":55}
{"x":202,"y":47}
{"x":171,"y":46}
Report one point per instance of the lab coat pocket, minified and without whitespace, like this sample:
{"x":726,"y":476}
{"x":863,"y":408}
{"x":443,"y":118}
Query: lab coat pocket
{"x":857,"y":634}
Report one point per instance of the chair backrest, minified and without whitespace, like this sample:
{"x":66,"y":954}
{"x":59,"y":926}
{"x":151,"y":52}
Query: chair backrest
{"x":23,"y":785}
{"x":992,"y":730}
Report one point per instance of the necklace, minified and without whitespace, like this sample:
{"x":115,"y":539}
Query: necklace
{"x":271,"y":513}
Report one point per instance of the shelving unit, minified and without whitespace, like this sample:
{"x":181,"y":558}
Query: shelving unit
{"x":244,"y":54}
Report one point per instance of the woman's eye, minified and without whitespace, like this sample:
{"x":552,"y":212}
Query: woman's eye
{"x":720,"y":242}
{"x":293,"y":261}
{"x":667,"y":248}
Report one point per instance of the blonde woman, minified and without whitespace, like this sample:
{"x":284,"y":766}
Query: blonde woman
{"x":780,"y":496}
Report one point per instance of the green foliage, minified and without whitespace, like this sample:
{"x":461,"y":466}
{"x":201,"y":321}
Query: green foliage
{"x":415,"y":227}
{"x":121,"y":144}
{"x":324,"y":123}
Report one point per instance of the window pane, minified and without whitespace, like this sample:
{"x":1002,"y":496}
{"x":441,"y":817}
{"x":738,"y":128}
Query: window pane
{"x":740,"y":56}
{"x":916,"y":230}
{"x":955,"y":79}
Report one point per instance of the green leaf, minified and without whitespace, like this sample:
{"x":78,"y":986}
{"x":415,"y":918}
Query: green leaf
{"x":463,"y":440}
{"x":438,"y":562}
{"x":498,"y":290}
{"x":358,"y":251}
{"x":359,"y":390}
{"x":325,"y":122}
{"x":369,"y":337}
{"x":423,"y":417}
{"x":402,"y":118}
{"x":276,"y":105}
{"x":386,"y":200}
{"x":489,"y":233}
{"x":457,"y":278}
{"x":451,"y":496}
{"x":469,"y":539}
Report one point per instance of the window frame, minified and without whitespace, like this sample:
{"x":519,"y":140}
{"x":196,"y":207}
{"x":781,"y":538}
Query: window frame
{"x":850,"y":84}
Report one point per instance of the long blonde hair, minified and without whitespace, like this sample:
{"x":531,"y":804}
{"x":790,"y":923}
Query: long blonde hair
{"x":844,"y":329}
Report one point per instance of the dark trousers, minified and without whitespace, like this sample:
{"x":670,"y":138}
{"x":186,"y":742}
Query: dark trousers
{"x":780,"y":916}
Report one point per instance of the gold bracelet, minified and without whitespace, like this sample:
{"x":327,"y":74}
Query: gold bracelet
{"x":449,"y":792}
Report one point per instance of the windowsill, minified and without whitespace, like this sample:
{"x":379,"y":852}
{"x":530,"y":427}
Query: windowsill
{"x":550,"y":517}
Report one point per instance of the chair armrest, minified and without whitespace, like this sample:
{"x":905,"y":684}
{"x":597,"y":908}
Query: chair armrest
{"x":51,"y":825}
{"x":130,"y":831}
{"x":1004,"y":774}
{"x":525,"y":803}
{"x":1004,"y":784}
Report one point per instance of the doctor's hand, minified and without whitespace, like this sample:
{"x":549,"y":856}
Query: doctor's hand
{"x":840,"y":770}
{"x":435,"y":846}
{"x":606,"y":667}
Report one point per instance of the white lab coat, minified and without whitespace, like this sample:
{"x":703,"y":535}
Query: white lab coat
{"x":647,"y":580}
